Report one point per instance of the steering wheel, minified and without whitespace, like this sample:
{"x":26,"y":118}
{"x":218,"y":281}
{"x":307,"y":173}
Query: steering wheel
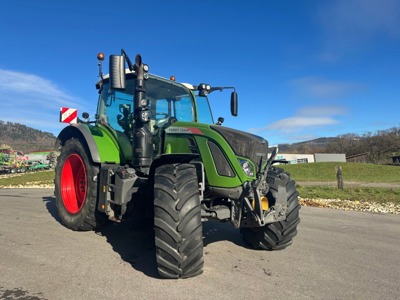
{"x":164,"y":123}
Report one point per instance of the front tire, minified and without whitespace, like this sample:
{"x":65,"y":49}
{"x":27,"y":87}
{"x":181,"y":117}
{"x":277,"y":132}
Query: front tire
{"x":177,"y":221}
{"x":76,"y":188}
{"x":276,"y":235}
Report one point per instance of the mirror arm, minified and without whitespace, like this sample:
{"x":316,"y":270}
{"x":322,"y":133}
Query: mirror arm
{"x":130,"y":65}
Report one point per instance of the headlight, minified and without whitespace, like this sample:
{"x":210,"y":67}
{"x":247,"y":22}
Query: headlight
{"x":247,"y":167}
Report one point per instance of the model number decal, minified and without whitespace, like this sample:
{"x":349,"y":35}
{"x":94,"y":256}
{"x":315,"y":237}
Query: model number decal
{"x":183,"y":130}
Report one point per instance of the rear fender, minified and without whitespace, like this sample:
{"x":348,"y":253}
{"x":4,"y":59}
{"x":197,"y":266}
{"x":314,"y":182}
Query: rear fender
{"x":103,"y":148}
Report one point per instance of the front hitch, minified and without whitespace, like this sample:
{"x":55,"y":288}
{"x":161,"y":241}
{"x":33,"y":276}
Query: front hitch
{"x":257,"y":194}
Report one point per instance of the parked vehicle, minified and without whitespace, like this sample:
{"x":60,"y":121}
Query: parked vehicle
{"x":12,"y":161}
{"x":34,"y":166}
{"x":153,"y":149}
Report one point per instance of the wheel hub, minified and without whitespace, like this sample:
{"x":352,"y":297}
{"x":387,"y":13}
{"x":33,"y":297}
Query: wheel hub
{"x":73,"y":183}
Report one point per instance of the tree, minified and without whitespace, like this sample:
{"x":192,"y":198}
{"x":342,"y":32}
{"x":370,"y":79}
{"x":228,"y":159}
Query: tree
{"x":380,"y":145}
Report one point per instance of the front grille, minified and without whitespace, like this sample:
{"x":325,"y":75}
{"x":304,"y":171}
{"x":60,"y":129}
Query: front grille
{"x":221,"y":163}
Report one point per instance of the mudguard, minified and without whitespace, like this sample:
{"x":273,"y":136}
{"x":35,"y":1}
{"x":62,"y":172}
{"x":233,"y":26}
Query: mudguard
{"x":104,"y":145}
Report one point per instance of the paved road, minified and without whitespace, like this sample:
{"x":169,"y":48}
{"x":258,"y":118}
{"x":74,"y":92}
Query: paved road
{"x":336,"y":255}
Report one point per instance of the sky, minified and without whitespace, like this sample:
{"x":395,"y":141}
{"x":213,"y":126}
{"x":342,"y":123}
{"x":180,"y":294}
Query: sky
{"x":302,"y":69}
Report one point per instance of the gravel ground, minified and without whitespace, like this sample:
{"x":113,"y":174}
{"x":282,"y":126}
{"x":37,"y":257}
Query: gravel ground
{"x":352,"y":205}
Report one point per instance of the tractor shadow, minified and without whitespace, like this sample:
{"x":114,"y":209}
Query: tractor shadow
{"x":50,"y":202}
{"x":216,"y":231}
{"x":134,"y":241}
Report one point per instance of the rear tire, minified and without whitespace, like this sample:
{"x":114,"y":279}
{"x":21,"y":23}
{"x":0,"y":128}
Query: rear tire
{"x":76,"y":188}
{"x":277,"y":235}
{"x":177,"y":221}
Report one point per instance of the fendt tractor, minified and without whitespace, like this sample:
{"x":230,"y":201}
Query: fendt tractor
{"x":154,"y":152}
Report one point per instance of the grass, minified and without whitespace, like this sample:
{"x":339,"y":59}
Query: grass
{"x":353,"y":172}
{"x":36,"y":178}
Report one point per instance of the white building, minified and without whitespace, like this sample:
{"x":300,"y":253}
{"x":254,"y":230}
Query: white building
{"x":296,"y":158}
{"x":310,"y":158}
{"x":323,"y":157}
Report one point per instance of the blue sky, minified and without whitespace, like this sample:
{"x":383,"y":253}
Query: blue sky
{"x":302,"y":69}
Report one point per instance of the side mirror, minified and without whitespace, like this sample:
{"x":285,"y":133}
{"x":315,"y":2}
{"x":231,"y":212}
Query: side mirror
{"x":117,"y":72}
{"x":234,"y":104}
{"x":85,"y":115}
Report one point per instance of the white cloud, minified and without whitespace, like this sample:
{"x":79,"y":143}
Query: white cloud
{"x":322,"y":110}
{"x":319,"y":87}
{"x":32,"y":100}
{"x":31,"y":85}
{"x":305,"y":118}
{"x":296,"y":123}
{"x":312,"y":120}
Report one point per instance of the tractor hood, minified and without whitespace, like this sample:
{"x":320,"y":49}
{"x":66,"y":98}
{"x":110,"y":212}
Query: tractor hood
{"x":244,"y":144}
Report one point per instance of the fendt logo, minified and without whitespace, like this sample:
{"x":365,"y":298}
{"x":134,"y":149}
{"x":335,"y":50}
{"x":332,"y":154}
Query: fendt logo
{"x":68,"y":115}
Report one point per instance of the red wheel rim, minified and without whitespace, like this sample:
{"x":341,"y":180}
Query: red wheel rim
{"x":73,"y":183}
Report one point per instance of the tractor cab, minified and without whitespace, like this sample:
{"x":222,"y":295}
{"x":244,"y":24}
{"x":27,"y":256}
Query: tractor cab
{"x":168,"y":102}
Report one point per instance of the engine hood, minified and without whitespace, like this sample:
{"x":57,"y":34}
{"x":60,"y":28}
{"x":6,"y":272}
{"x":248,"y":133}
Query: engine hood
{"x":244,"y":144}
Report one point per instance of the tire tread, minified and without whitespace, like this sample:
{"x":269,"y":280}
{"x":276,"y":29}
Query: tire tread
{"x":177,"y":221}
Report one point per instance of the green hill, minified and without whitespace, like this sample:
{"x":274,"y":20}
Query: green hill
{"x":24,"y":138}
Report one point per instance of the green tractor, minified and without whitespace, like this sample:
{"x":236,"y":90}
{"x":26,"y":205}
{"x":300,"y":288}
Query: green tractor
{"x":154,"y":152}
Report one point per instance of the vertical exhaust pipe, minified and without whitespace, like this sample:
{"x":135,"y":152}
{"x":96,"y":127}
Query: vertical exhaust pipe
{"x":142,"y":140}
{"x":142,"y":137}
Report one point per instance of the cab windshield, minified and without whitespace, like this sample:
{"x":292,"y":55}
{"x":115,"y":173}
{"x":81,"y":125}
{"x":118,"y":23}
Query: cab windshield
{"x":204,"y":114}
{"x":166,"y":100}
